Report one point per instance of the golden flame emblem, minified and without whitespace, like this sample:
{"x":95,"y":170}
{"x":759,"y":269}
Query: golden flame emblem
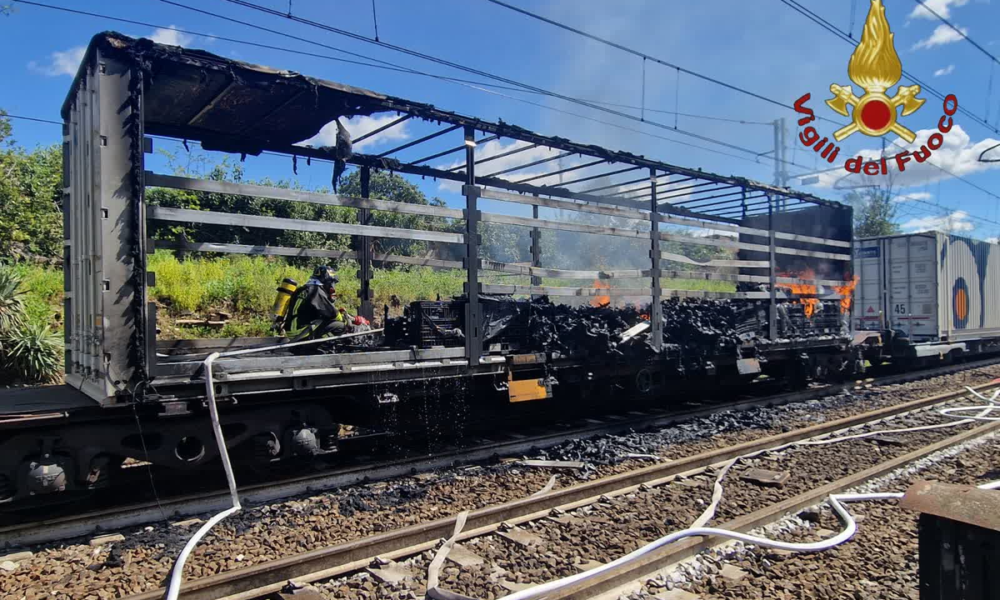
{"x":875,"y":67}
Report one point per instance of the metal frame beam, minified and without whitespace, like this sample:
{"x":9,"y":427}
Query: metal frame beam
{"x":389,"y":125}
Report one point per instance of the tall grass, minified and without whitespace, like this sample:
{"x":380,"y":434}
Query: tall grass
{"x":43,"y":294}
{"x":244,"y":286}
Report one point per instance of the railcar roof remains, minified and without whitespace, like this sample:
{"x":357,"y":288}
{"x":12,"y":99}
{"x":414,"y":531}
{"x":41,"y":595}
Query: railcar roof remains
{"x":233,"y":106}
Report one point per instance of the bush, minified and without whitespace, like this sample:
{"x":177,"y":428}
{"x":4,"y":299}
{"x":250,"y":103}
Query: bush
{"x":34,"y":354}
{"x":12,"y":314}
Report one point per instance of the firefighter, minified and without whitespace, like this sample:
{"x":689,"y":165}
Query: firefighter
{"x":312,"y":312}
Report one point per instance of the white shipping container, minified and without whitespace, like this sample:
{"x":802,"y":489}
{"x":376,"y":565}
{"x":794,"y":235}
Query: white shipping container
{"x":933,"y":287}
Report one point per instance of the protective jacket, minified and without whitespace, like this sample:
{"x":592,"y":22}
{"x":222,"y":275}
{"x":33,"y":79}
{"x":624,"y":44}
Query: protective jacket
{"x":313,"y":312}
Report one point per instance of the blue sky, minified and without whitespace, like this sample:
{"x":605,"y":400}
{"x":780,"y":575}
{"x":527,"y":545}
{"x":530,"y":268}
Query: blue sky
{"x":761,"y":45}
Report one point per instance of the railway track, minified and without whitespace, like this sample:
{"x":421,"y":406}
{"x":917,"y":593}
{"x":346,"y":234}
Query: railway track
{"x":259,"y":580}
{"x":511,"y":443}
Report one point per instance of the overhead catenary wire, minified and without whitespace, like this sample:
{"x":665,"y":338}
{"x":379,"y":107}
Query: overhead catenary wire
{"x":809,"y":14}
{"x":478,"y":85}
{"x":449,"y":63}
{"x":386,"y":65}
{"x":830,"y":27}
{"x":960,"y":32}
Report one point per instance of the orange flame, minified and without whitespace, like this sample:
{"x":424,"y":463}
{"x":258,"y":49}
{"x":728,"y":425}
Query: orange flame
{"x":810,"y":303}
{"x":847,"y":291}
{"x":599,"y":301}
{"x":644,"y":317}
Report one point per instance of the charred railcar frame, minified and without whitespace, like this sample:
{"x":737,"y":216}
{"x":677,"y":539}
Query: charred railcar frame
{"x":235,"y":107}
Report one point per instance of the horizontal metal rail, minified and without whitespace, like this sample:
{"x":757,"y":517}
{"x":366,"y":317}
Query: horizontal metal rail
{"x":490,"y":265}
{"x":711,"y":276}
{"x":307,"y":365}
{"x":183,"y":215}
{"x":564,"y":291}
{"x":599,"y":209}
{"x":704,"y":241}
{"x":189,"y":246}
{"x":276,"y":193}
{"x":563,"y":226}
{"x":716,"y":262}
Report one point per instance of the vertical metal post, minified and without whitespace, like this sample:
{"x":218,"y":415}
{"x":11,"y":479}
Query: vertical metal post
{"x":108,"y":218}
{"x":777,"y":151}
{"x":780,"y":175}
{"x":772,"y":272}
{"x":944,"y":291}
{"x":656,"y":308}
{"x":536,"y":248}
{"x":363,"y":247}
{"x":473,"y":319}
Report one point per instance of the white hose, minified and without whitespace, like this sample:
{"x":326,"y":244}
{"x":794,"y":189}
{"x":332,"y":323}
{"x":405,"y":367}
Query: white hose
{"x":835,"y":500}
{"x":177,"y":573}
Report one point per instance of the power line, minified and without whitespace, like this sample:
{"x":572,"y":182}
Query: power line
{"x":958,"y":31}
{"x":4,"y":115}
{"x":628,"y":50}
{"x":522,"y":87}
{"x":386,"y":65}
{"x":454,"y":65}
{"x":466,"y":83}
{"x":812,"y":16}
{"x":825,"y":24}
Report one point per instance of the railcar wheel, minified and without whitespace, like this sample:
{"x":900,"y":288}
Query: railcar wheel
{"x":644,"y":381}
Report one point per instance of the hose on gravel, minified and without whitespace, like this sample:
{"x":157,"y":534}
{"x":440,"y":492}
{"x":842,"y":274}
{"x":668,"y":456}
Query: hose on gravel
{"x":836,"y":502}
{"x":177,"y":571}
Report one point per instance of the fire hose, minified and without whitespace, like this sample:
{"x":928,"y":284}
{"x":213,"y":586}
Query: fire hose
{"x":697,"y":528}
{"x":177,"y":572}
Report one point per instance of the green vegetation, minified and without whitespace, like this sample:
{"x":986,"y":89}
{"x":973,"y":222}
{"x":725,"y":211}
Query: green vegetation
{"x":201,"y":285}
{"x":33,"y":354}
{"x":29,"y":199}
{"x":43,"y":294}
{"x":874,"y":212}
{"x":29,"y":351}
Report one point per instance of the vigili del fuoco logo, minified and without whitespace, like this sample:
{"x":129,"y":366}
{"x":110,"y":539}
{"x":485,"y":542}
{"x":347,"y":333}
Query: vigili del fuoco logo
{"x":875,"y":67}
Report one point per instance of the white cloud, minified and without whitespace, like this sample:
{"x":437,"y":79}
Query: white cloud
{"x":912,"y":196}
{"x":958,"y":155}
{"x":943,"y":34}
{"x":496,"y":147}
{"x":954,"y":222}
{"x":941,"y":7}
{"x":945,"y":71}
{"x":992,"y":240}
{"x":171,"y":37}
{"x":65,"y":62}
{"x":357,"y":127}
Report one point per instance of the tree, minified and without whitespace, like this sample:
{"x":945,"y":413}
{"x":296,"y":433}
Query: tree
{"x":389,"y":186}
{"x":874,"y":212}
{"x":29,"y":199}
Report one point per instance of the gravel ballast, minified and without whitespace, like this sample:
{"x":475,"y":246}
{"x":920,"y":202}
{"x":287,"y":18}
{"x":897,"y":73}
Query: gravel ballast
{"x":141,"y":562}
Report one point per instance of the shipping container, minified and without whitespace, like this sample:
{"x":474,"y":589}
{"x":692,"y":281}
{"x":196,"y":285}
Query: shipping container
{"x":930,"y":288}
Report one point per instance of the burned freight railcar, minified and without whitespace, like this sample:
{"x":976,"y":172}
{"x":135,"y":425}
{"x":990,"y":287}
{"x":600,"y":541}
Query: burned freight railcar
{"x":507,"y":345}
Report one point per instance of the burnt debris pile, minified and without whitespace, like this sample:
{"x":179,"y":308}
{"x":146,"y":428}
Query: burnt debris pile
{"x":582,"y":330}
{"x":695,"y":326}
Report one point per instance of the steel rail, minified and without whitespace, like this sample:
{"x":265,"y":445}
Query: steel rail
{"x":64,"y":527}
{"x":681,"y":550}
{"x":258,"y":580}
